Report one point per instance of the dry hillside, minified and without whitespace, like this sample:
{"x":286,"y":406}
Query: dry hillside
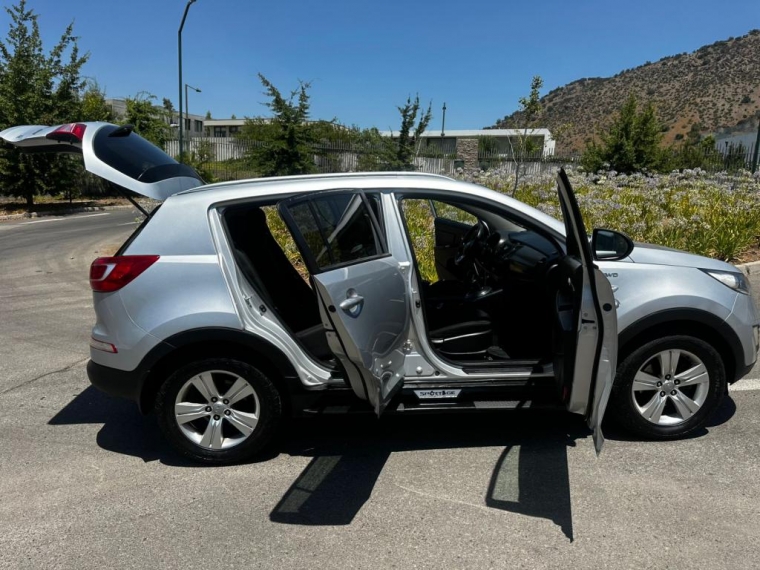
{"x":716,"y":86}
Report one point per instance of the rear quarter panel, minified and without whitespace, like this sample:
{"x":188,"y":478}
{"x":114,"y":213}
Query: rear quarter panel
{"x":185,"y":288}
{"x":179,"y":293}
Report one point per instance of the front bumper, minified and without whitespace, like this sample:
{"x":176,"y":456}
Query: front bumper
{"x":115,"y":382}
{"x":745,"y":323}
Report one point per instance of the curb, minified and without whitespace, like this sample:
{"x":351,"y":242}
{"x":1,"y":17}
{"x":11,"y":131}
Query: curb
{"x":751,"y":268}
{"x":63,"y":212}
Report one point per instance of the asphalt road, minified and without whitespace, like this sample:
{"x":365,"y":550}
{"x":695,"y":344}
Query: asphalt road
{"x":86,"y":482}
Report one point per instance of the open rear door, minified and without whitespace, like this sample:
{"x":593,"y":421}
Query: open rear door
{"x":362,"y":293}
{"x":114,"y":153}
{"x":587,"y":335}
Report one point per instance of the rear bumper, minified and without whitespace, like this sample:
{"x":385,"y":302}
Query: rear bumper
{"x":115,"y":382}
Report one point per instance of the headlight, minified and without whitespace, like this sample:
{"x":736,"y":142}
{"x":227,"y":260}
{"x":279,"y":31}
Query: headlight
{"x":737,"y":281}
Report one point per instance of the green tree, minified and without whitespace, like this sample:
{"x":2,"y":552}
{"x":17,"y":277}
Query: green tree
{"x":632,"y":143}
{"x":395,"y":153}
{"x":375,"y":150}
{"x":168,"y":106}
{"x":694,"y":152}
{"x":149,"y":121}
{"x":287,"y":138}
{"x":207,"y":130}
{"x":94,"y":106}
{"x":37,"y":88}
{"x":407,"y":145}
{"x":201,"y":158}
{"x":525,"y":143}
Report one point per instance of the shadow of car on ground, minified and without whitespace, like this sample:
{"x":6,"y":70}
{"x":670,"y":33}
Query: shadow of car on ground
{"x":349,"y":453}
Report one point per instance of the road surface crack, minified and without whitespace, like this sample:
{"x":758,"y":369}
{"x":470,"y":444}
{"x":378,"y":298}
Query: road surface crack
{"x":45,"y":375}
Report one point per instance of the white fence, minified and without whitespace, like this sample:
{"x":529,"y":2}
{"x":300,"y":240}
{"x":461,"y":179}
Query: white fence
{"x":225,"y":153}
{"x":221,"y":148}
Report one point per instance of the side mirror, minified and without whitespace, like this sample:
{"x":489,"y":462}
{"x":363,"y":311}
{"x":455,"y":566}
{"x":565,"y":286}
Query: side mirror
{"x":610,"y":245}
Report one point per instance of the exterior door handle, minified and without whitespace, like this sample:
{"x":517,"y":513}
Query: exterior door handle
{"x":353,"y":303}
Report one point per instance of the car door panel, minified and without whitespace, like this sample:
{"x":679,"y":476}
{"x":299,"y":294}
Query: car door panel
{"x":607,"y":363}
{"x":364,"y":302}
{"x":586,"y":322}
{"x":369,"y":312}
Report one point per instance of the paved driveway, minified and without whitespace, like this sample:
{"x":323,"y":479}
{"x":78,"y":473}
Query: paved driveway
{"x":86,"y":482}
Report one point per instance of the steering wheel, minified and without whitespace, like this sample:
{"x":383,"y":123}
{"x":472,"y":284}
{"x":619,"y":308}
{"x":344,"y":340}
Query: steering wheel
{"x":470,"y":242}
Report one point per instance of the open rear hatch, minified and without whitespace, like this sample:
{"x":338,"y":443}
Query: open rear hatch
{"x":115,"y":153}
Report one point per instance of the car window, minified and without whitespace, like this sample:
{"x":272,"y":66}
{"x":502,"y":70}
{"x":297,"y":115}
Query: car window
{"x":338,"y":228}
{"x":284,"y":239}
{"x":453,"y":213}
{"x":419,"y":219}
{"x":132,"y":155}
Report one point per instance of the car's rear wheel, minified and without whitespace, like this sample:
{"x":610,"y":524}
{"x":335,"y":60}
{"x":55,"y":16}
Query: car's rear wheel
{"x":218,"y":410}
{"x":668,"y":388}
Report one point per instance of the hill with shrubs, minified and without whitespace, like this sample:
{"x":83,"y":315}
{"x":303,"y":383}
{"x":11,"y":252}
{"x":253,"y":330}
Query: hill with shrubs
{"x":715,"y":88}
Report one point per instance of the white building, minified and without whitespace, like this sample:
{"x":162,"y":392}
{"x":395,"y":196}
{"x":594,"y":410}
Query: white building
{"x":505,"y":139}
{"x":223,"y":128}
{"x":745,"y":138}
{"x":193,"y":123}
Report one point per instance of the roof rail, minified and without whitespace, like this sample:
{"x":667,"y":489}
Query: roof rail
{"x":270,"y":179}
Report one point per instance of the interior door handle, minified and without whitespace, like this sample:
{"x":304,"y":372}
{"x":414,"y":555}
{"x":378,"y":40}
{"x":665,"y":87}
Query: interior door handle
{"x":351,"y":303}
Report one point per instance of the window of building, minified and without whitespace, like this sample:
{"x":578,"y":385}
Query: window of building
{"x":220,"y":132}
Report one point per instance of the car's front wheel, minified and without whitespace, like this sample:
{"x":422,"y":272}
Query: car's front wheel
{"x":218,"y":410}
{"x":668,"y":387}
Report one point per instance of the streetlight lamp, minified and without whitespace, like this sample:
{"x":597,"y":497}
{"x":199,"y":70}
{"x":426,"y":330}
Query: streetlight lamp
{"x":179,"y":52}
{"x":187,"y":100}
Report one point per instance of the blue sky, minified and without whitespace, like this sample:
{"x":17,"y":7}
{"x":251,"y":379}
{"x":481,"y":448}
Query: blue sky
{"x":364,"y":58}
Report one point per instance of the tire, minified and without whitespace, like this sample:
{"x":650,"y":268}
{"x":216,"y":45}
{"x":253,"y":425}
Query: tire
{"x":218,"y":411}
{"x":689,"y":398}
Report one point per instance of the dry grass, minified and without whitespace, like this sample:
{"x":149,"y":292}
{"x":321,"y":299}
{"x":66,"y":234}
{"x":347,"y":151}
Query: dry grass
{"x":9,"y":206}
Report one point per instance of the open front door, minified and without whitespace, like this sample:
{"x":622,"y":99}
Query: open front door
{"x":363,"y":300}
{"x":114,"y":153}
{"x":587,"y":336}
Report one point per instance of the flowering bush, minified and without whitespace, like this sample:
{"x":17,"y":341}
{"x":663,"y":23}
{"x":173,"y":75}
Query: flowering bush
{"x":717,"y":215}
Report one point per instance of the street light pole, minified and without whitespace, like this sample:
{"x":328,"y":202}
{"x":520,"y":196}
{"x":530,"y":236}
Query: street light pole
{"x":179,"y":52}
{"x":187,"y":101}
{"x":443,"y":123}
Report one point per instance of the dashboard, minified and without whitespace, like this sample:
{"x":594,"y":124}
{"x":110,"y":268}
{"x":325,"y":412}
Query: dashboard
{"x":523,"y":255}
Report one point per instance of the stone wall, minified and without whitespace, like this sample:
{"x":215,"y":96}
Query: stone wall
{"x":467,"y":150}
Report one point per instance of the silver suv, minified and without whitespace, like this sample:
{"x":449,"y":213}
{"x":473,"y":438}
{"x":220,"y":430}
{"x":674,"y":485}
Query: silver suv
{"x":398,"y":292}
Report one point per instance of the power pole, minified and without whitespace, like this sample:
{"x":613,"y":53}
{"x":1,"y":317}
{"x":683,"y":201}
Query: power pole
{"x":179,"y":54}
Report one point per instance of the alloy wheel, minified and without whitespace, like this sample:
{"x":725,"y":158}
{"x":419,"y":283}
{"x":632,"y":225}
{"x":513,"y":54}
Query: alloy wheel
{"x":670,"y":387}
{"x":217,"y":409}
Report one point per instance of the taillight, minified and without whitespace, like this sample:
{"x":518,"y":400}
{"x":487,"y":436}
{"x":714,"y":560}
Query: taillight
{"x":112,"y":273}
{"x":73,"y":133}
{"x":103,"y":345}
